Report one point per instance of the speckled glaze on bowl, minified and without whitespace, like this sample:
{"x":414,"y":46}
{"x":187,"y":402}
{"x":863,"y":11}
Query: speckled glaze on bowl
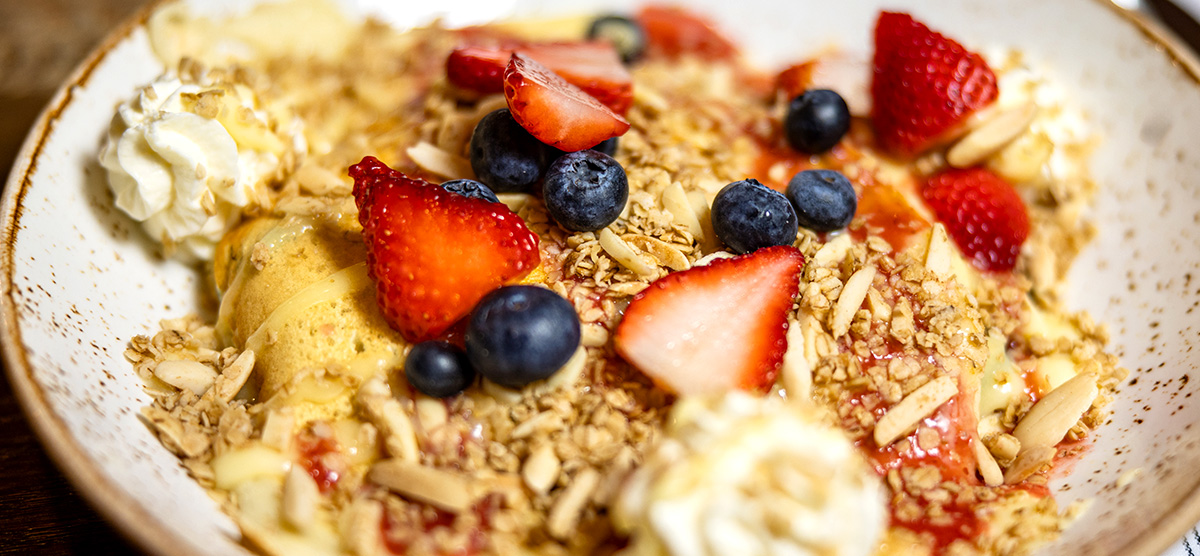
{"x":79,"y":279}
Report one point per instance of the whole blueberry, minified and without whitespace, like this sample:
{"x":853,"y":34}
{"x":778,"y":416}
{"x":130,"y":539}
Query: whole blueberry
{"x":824,"y":199}
{"x":607,"y":146}
{"x":585,"y":191}
{"x":748,"y":215}
{"x":625,"y":34}
{"x":520,"y":334}
{"x":816,"y":121}
{"x":505,"y":156}
{"x":438,"y":369}
{"x":471,"y":188}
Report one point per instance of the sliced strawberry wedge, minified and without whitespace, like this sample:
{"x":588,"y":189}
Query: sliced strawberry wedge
{"x":714,"y":328}
{"x":557,"y":113}
{"x":925,"y":84}
{"x":434,"y":254}
{"x":672,"y":32}
{"x":593,"y":66}
{"x":477,"y":68}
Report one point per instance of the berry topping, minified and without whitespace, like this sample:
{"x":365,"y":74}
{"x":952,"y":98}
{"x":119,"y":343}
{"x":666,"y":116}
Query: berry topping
{"x":924,"y":85}
{"x":521,"y":334}
{"x":477,"y":68}
{"x":816,"y":121}
{"x":505,"y":156}
{"x":558,"y":113}
{"x":607,"y":146}
{"x":432,"y":253}
{"x":672,"y":32}
{"x":747,"y":215}
{"x":625,"y":35}
{"x":982,"y":212}
{"x":824,"y":199}
{"x":593,"y":66}
{"x":471,"y":188}
{"x":438,"y":369}
{"x":714,"y":328}
{"x":585,"y":191}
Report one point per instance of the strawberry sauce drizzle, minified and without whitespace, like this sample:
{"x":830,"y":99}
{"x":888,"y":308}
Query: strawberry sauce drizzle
{"x":319,"y":456}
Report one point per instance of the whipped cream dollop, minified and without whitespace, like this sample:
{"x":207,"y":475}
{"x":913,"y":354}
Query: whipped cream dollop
{"x":188,"y":153}
{"x":741,"y":475}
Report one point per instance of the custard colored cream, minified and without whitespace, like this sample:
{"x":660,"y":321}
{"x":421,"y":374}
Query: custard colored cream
{"x":741,"y":475}
{"x":186,"y":155}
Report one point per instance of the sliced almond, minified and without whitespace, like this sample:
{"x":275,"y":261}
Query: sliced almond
{"x":593,"y":335}
{"x":186,"y":375}
{"x":514,"y":201}
{"x":988,"y":468}
{"x":904,"y":416}
{"x":1023,"y":159}
{"x":667,"y":254}
{"x":992,"y":135}
{"x":439,"y":488}
{"x":940,"y":252}
{"x":675,"y":200}
{"x":431,"y":412}
{"x":300,"y":498}
{"x":541,"y":469}
{"x":715,"y":255}
{"x":568,"y":508}
{"x":796,"y":374}
{"x":440,"y":162}
{"x":624,"y":254}
{"x":277,"y":429}
{"x":1048,"y":421}
{"x":834,"y":251}
{"x":386,"y":413}
{"x":851,"y":298}
{"x":234,"y":377}
{"x":703,"y":212}
{"x":359,"y":527}
{"x":1028,"y":463}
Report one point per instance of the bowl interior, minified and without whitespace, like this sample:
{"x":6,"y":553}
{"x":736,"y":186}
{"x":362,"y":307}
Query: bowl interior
{"x":81,"y":279}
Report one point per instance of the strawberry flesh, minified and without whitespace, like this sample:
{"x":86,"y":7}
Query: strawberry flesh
{"x":982,"y":212}
{"x":593,"y":66}
{"x":673,"y":32}
{"x":432,"y":253}
{"x":924,"y":85}
{"x":714,"y":328}
{"x":554,"y":111}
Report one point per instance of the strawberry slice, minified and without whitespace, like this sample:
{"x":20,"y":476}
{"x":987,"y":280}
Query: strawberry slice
{"x":432,"y":253}
{"x":982,"y":212}
{"x":672,"y":32}
{"x":477,"y":68}
{"x":592,"y":66}
{"x":558,"y":113}
{"x":924,"y":85}
{"x":714,"y":328}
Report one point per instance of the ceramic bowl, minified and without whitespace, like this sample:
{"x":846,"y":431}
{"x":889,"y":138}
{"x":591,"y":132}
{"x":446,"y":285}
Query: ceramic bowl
{"x":79,"y":280}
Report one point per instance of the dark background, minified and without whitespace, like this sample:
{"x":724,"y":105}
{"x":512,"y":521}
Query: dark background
{"x":40,"y":42}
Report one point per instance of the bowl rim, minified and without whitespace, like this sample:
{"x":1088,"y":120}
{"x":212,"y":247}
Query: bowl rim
{"x":134,"y":522}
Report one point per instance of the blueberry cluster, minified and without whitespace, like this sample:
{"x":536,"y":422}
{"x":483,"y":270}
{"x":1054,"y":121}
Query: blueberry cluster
{"x":584,"y":191}
{"x":515,"y":336}
{"x":747,"y":215}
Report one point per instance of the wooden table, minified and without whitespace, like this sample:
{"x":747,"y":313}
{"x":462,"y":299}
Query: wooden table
{"x":40,"y":42}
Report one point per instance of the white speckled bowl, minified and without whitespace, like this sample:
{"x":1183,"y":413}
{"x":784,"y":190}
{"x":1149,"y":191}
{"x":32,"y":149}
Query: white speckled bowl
{"x":79,"y":279}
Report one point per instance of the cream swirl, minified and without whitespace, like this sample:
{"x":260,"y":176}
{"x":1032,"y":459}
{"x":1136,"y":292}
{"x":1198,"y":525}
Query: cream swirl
{"x":186,"y":155}
{"x":741,"y":475}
